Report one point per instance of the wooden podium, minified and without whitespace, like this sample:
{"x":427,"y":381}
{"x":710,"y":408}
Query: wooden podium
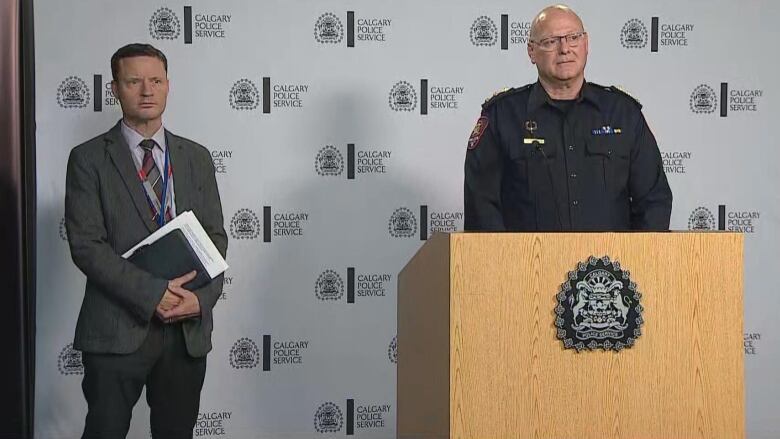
{"x":479,"y":355}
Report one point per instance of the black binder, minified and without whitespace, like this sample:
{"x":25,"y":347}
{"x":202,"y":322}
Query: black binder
{"x":170,"y":257}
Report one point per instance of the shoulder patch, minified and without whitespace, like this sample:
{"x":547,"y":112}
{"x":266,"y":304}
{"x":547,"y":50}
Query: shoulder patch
{"x":619,"y":89}
{"x":506,"y":91}
{"x":477,"y":132}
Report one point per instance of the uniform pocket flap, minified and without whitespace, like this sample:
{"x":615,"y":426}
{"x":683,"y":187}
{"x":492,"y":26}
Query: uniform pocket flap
{"x":607,"y":147}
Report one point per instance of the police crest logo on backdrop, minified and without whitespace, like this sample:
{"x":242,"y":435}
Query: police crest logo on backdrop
{"x":164,"y":25}
{"x":701,"y":219}
{"x":244,"y":354}
{"x":634,"y":34}
{"x":329,"y":286}
{"x":69,"y":361}
{"x":703,"y":99}
{"x":483,"y":32}
{"x":329,"y":161}
{"x":73,"y":93}
{"x":244,"y":95}
{"x":598,"y":307}
{"x":328,"y":418}
{"x":402,"y":224}
{"x":244,"y":225}
{"x":392,"y":350}
{"x":402,"y":97}
{"x":63,"y":231}
{"x":328,"y":29}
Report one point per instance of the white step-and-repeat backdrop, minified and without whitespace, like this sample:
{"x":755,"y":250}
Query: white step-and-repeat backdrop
{"x":333,"y":126}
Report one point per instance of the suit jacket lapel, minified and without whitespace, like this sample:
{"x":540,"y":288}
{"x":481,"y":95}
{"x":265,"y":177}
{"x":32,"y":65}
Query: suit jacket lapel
{"x":182,"y":177}
{"x":120,"y":155}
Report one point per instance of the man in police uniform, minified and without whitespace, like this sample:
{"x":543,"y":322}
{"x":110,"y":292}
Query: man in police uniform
{"x":562,"y":153}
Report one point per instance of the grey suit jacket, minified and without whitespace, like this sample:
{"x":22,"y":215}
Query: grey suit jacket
{"x":106,"y":213}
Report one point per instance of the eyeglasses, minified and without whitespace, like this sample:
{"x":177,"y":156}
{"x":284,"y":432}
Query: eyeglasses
{"x":552,"y":43}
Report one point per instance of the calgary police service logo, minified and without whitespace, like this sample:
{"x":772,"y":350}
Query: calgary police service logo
{"x":402,"y":223}
{"x":164,"y":25}
{"x":244,"y":225}
{"x":703,"y":99}
{"x":329,"y":286}
{"x":634,"y":34}
{"x":328,"y":29}
{"x":392,"y":350}
{"x":402,"y":97}
{"x":72,"y":93}
{"x":244,"y":95}
{"x":328,"y":418}
{"x":483,"y":32}
{"x":69,"y":361}
{"x":244,"y":354}
{"x":598,"y":307}
{"x":329,"y":161}
{"x":63,"y":230}
{"x":701,"y":219}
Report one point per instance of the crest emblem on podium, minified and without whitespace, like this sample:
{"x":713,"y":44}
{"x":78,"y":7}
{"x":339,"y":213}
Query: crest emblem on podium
{"x":599,"y":307}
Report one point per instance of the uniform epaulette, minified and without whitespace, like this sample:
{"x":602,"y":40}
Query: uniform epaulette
{"x":504,"y":92}
{"x":620,"y":90}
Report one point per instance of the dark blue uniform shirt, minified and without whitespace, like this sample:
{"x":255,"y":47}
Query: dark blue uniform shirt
{"x":535,"y":164}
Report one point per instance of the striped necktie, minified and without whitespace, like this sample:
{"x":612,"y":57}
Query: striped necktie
{"x":152,"y":174}
{"x":149,"y":168}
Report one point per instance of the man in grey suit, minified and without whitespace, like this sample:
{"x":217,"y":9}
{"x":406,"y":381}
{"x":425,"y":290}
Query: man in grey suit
{"x":135,"y":329}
